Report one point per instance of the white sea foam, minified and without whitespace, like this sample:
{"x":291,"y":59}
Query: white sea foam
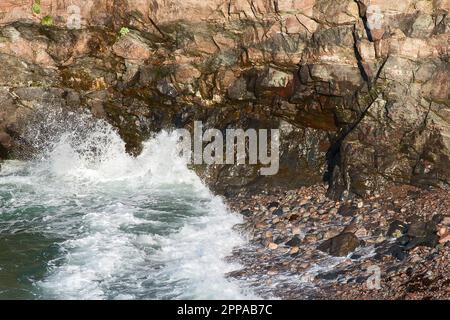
{"x":133,"y":227}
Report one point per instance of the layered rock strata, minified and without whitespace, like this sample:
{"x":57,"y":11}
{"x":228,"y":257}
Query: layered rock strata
{"x":359,"y":89}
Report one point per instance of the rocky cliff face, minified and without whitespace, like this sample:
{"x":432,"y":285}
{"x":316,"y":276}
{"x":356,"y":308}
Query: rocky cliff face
{"x":359,"y":89}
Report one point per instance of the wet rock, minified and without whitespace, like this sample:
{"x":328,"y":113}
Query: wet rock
{"x":417,"y":234}
{"x":6,"y":143}
{"x":279,"y":240}
{"x":340,"y":245}
{"x":430,"y":240}
{"x":239,"y":91}
{"x":166,"y":88}
{"x":260,"y":225}
{"x":273,"y":204}
{"x":355,"y":256}
{"x":437,"y":218}
{"x":403,"y":240}
{"x":246,"y":213}
{"x":443,"y":231}
{"x":272,"y":271}
{"x":294,"y":242}
{"x":352,"y":227}
{"x":445,"y":239}
{"x":362,"y":232}
{"x":278,"y":212}
{"x":332,"y":232}
{"x":398,"y":252}
{"x":347,"y":210}
{"x":397,"y":229}
{"x":281,"y":226}
{"x":421,"y":229}
{"x":332,"y":275}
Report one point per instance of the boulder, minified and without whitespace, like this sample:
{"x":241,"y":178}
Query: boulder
{"x":132,"y":47}
{"x":340,"y":245}
{"x":294,"y":242}
{"x":273,"y":204}
{"x":246,"y":213}
{"x":347,"y":210}
{"x":397,"y":229}
{"x":422,"y":234}
{"x":278,"y":212}
{"x":420,"y":229}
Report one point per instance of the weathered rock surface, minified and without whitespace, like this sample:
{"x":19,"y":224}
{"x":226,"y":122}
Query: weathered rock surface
{"x":359,"y":89}
{"x":340,"y":245}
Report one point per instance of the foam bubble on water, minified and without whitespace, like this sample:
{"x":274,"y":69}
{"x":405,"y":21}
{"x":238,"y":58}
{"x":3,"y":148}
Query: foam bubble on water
{"x":93,"y":261}
{"x":100,"y":193}
{"x":196,"y":253}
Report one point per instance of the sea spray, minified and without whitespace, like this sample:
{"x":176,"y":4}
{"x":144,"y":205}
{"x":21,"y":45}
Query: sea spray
{"x":115,"y":226}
